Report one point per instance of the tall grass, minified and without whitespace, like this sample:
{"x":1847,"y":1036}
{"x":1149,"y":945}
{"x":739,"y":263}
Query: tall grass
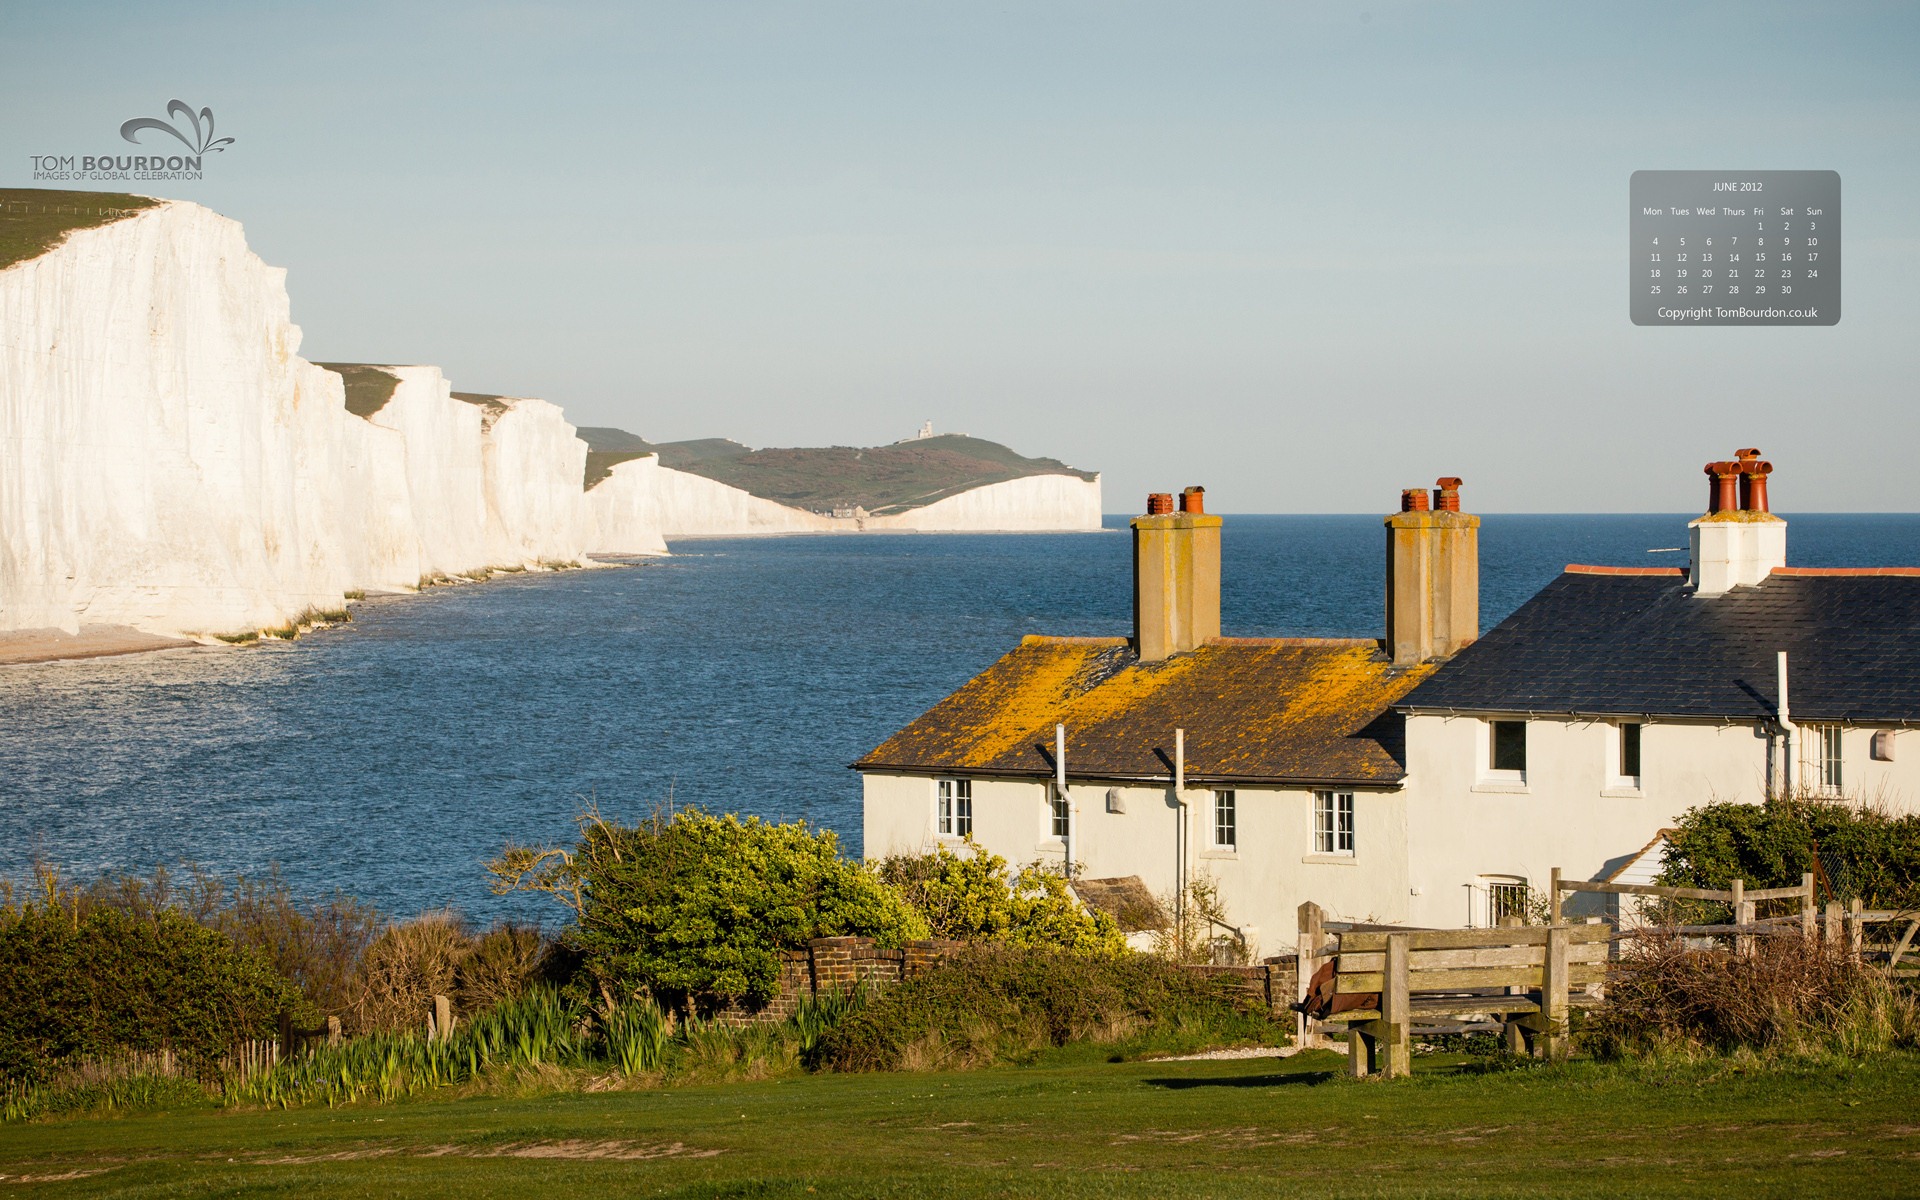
{"x":1792,"y":995}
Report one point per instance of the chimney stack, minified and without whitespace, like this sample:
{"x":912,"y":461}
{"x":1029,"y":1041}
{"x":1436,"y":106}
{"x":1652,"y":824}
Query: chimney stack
{"x":1433,"y":576}
{"x":1739,"y":541}
{"x":1176,"y":576}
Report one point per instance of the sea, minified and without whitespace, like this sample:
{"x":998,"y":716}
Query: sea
{"x":391,"y":757}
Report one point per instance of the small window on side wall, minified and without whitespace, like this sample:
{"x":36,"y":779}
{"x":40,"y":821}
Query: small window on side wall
{"x":1333,"y":822}
{"x":1630,"y":751}
{"x":1225,"y":821}
{"x":1506,"y":899}
{"x":956,"y":808}
{"x":1507,"y":745}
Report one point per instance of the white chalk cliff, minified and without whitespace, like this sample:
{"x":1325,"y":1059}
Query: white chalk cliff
{"x":169,"y":463}
{"x":641,"y":494}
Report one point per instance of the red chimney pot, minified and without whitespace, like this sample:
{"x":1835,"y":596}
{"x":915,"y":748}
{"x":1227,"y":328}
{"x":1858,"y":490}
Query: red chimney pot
{"x":1193,"y":500}
{"x":1753,"y":480}
{"x":1446,"y":493}
{"x":1413,"y":500}
{"x":1723,"y":491}
{"x":1159,"y":503}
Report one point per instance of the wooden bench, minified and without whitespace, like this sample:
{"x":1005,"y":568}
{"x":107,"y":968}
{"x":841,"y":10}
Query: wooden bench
{"x":1523,"y":975}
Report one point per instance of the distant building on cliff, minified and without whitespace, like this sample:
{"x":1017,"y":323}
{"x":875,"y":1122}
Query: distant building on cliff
{"x":1432,"y":776}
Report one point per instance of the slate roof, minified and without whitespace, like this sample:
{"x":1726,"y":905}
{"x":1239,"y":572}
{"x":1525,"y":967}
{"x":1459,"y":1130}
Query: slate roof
{"x":1268,"y":710}
{"x":1602,"y":642}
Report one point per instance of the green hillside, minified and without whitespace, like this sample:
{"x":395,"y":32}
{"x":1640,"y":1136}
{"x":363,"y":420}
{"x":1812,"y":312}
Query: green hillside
{"x":369,"y":387}
{"x":35,"y":220}
{"x":879,"y":479}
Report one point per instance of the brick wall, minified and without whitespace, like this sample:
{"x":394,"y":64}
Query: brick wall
{"x":836,"y":964}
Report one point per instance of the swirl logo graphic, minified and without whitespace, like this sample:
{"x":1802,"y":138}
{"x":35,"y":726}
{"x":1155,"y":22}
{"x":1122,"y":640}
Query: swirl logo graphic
{"x":200,"y":124}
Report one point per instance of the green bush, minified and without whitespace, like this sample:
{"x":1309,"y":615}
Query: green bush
{"x":1771,"y":845}
{"x":697,"y":905}
{"x":989,"y":1003}
{"x":972,"y":897}
{"x":107,"y":981}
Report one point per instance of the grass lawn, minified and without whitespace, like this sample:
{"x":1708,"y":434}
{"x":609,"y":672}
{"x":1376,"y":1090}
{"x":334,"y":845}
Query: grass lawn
{"x":34,"y":220}
{"x":1065,"y":1129}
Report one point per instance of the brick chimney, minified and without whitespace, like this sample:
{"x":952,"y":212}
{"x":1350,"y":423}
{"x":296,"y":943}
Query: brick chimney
{"x":1739,"y":541}
{"x":1433,"y":575}
{"x":1176,"y":575}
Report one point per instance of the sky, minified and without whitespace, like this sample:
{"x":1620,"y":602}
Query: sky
{"x":1303,"y":255}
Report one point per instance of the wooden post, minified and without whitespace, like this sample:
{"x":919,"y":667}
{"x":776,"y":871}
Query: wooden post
{"x":1514,"y":1036}
{"x":1553,"y":901}
{"x":1806,"y":907}
{"x":1312,"y":937}
{"x":286,"y":1035}
{"x":333,"y":1031}
{"x":1553,"y":994}
{"x":1359,"y":1052}
{"x":442,"y":1018}
{"x":1396,"y":1008}
{"x":1742,"y":915}
{"x":1856,"y":928}
{"x":1833,"y":923}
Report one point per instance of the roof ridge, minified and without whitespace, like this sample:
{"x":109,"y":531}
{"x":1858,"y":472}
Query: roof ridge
{"x":1585,"y":569}
{"x":1826,"y":572}
{"x":1341,"y":643}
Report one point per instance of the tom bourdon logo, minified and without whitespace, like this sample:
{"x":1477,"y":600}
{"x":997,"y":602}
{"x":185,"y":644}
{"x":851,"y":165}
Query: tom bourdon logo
{"x":193,"y":130}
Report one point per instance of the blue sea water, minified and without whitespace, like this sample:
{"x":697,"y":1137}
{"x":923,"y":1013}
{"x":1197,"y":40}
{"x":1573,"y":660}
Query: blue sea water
{"x":390,"y":757}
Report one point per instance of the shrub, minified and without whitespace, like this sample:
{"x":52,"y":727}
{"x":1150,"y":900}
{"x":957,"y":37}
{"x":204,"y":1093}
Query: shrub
{"x":1791,"y":993}
{"x":103,"y":982}
{"x":1876,"y":854}
{"x":317,"y":946}
{"x":986,"y":1003}
{"x":972,"y":896}
{"x":405,"y":968}
{"x":700,"y":905}
{"x":504,"y":962}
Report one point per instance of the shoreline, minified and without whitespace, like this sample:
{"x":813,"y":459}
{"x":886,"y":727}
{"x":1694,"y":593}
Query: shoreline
{"x":21,"y":647}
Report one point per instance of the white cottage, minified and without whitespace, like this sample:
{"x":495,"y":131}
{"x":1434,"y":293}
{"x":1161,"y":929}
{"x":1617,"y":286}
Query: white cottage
{"x":1429,"y":777}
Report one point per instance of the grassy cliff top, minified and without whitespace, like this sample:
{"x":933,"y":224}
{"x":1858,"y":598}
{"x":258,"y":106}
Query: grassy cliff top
{"x":369,"y":385}
{"x":35,"y":220}
{"x":880,"y":479}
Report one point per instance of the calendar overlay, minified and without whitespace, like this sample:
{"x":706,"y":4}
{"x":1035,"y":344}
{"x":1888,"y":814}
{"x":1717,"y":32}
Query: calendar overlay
{"x":1735,"y":248}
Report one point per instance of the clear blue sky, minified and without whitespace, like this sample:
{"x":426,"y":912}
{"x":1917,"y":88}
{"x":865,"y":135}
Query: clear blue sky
{"x":1304,"y":255}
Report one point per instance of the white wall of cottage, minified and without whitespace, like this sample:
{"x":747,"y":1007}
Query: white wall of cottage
{"x":1425,"y":853}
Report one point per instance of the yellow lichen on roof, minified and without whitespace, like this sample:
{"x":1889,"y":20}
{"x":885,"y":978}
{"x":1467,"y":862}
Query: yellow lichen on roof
{"x":1251,"y":709}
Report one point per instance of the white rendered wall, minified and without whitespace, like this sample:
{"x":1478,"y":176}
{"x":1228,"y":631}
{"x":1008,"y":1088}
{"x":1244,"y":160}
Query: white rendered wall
{"x":1570,"y":813}
{"x":1262,"y":881}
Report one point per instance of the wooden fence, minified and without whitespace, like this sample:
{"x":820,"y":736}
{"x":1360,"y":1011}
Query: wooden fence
{"x":1887,"y":939}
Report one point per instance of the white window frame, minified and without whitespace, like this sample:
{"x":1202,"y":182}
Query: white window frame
{"x":1488,"y":772}
{"x":1617,"y":778}
{"x":953,"y":807}
{"x":1059,"y":814}
{"x":1503,"y":891}
{"x":1333,"y":823}
{"x":1822,"y":750}
{"x":1226,"y":820}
